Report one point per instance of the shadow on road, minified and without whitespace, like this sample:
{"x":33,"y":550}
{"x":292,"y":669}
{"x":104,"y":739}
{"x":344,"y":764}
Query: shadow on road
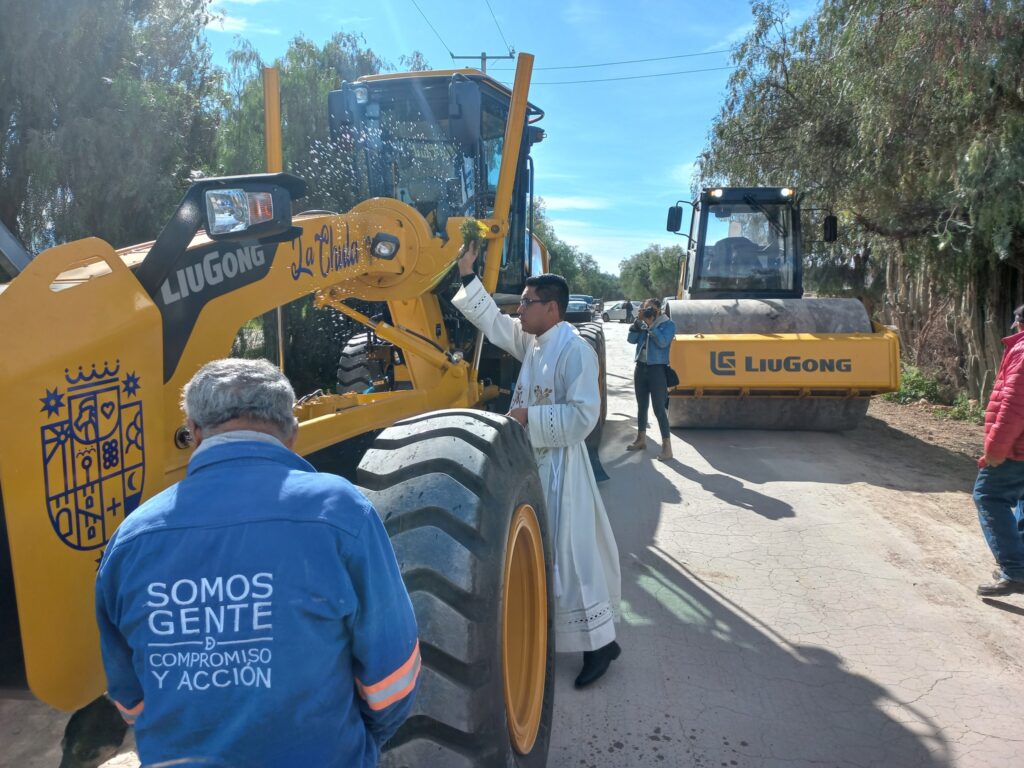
{"x":1008,"y":607}
{"x":724,"y":487}
{"x":875,"y":454}
{"x":732,"y":689}
{"x":732,"y":491}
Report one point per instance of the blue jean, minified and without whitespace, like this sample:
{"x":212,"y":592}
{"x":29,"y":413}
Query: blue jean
{"x":651,"y":388}
{"x":997,"y":495}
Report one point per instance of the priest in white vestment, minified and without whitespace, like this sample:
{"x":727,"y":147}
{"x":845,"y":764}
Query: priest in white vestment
{"x":558,"y":401}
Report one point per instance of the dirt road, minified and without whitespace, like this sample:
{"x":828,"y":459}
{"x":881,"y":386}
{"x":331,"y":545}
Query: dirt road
{"x":790,"y":599}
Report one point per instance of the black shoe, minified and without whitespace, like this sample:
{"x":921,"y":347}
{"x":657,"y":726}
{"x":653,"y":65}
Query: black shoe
{"x":596,"y":663}
{"x":1001,"y":586}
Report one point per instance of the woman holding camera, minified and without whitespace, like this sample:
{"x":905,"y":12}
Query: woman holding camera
{"x":652,"y":334}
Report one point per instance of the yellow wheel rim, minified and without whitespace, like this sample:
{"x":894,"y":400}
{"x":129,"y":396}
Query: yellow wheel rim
{"x":524,"y":629}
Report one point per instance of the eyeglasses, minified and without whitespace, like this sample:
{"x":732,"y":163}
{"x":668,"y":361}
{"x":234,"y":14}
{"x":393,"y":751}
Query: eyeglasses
{"x":528,"y":302}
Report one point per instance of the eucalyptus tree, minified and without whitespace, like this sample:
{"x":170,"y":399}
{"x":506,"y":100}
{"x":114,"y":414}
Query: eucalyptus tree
{"x":106,"y":108}
{"x":654,"y":272}
{"x":908,"y":122}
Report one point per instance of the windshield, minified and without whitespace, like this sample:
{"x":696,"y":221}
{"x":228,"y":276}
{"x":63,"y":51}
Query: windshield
{"x":402,"y":149}
{"x":748,"y":247}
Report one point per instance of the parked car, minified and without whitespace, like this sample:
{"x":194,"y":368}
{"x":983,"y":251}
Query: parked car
{"x":617,"y":312}
{"x":588,"y":300}
{"x":578,"y":312}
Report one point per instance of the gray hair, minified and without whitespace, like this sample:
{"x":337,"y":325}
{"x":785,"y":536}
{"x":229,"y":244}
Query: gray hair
{"x":235,"y":388}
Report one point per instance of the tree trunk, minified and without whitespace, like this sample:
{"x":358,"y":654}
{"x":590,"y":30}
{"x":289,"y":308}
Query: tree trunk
{"x":952,"y":330}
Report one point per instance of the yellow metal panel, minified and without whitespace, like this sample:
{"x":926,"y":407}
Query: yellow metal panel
{"x":842,"y":361}
{"x":82,"y":383}
{"x":509,"y":162}
{"x":272,"y":119}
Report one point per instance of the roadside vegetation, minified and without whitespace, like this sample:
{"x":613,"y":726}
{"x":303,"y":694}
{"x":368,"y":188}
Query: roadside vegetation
{"x":917,"y":386}
{"x":907,"y":121}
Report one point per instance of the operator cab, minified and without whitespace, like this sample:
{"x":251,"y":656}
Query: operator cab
{"x":744,"y":243}
{"x":435,"y":141}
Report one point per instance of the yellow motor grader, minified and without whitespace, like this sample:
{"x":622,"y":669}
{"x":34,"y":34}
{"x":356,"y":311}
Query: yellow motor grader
{"x":100,"y":341}
{"x":750,"y":351}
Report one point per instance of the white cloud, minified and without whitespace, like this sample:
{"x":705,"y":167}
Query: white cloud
{"x":238,"y":25}
{"x":575,"y":203}
{"x":248,"y":2}
{"x":732,"y":38}
{"x":683,"y":174}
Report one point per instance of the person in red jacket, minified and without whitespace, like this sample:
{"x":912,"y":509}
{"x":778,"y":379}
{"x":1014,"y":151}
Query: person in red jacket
{"x":1000,"y":485}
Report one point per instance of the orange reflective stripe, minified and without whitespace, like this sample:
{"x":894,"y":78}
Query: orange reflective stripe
{"x":130,"y":714}
{"x":365,"y":690}
{"x":395,"y":686}
{"x":376,"y":705}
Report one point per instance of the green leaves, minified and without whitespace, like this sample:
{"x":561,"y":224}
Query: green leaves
{"x":107,"y":107}
{"x":908,"y":121}
{"x":652,"y":273}
{"x":909,"y":117}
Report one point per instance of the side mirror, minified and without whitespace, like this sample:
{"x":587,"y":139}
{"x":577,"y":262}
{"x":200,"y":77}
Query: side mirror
{"x":464,"y":107}
{"x":831,"y":229}
{"x":675,"y":218}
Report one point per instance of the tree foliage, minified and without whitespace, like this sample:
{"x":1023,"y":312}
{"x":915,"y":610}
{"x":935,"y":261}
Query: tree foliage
{"x":908,"y":121}
{"x":652,"y":273}
{"x":307,"y":74}
{"x":106,"y":107}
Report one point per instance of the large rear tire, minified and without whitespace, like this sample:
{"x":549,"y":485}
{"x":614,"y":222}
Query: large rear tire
{"x":594,"y":334}
{"x":461,"y":499}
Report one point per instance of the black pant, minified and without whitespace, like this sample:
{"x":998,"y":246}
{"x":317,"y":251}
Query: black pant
{"x":650,"y":385}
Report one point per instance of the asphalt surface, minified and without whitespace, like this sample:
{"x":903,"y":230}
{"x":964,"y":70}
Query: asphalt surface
{"x":789,"y":600}
{"x":795,"y":599}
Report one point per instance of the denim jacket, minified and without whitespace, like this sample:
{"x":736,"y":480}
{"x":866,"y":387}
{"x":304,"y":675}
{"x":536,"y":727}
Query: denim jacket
{"x":657,"y":339}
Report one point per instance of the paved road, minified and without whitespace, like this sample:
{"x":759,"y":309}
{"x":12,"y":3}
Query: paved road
{"x":795,"y":599}
{"x":790,"y":600}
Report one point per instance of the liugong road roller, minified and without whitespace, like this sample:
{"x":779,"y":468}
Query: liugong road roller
{"x":750,"y":351}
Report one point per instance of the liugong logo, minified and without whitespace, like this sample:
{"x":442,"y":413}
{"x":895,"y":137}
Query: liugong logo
{"x":723,"y":363}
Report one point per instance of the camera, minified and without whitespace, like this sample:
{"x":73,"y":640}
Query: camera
{"x":649,"y":312}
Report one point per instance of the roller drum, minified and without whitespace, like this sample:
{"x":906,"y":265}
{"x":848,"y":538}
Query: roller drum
{"x":786,"y":413}
{"x":768,"y":316}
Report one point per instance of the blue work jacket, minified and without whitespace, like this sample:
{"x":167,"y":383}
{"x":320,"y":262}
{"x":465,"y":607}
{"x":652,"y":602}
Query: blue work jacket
{"x":254,"y":615}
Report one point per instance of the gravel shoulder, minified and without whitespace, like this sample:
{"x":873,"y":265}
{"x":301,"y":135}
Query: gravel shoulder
{"x":928,"y":424}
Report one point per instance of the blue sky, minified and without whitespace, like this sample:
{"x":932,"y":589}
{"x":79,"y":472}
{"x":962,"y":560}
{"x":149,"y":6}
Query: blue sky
{"x":617,"y":153}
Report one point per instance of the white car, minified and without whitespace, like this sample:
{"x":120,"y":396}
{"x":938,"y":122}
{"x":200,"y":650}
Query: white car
{"x":617,"y":312}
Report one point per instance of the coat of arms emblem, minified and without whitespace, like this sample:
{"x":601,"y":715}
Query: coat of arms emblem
{"x":93,"y":457}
